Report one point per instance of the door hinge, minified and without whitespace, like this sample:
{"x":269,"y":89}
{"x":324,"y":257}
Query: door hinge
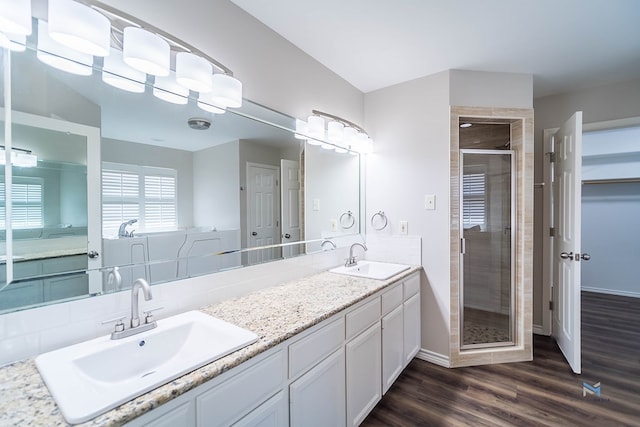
{"x":552,"y":157}
{"x":551,"y":305}
{"x":552,"y":232}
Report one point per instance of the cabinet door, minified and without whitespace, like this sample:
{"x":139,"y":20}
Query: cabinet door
{"x":411,"y":328}
{"x":364,"y":373}
{"x":272,"y":413}
{"x":183,"y":415}
{"x":392,"y":347}
{"x":318,"y":397}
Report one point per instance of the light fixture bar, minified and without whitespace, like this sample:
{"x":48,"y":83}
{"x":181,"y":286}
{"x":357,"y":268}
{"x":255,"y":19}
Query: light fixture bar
{"x":339,"y":119}
{"x":120,"y":20}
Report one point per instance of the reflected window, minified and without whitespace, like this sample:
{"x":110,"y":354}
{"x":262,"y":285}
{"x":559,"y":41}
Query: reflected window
{"x":474,"y":199}
{"x":147,"y":194}
{"x":26,"y":199}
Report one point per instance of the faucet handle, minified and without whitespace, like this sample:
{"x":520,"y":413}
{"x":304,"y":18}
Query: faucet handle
{"x":148,"y":316}
{"x":119,"y":323}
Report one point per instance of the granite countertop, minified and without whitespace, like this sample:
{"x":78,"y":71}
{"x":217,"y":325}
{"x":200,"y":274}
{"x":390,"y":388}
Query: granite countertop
{"x":25,"y":399}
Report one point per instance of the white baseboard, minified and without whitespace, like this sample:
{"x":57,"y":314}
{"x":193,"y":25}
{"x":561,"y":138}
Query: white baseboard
{"x":539,"y":330}
{"x":611,"y":292}
{"x":433,"y":357}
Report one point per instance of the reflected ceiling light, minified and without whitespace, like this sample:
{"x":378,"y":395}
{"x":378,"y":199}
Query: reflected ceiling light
{"x":168,"y":89}
{"x":335,"y":131}
{"x":301,"y":129}
{"x":206,"y":102}
{"x":15,"y":16}
{"x":146,"y":52}
{"x":19,"y":157}
{"x":193,"y":72}
{"x":79,"y":27}
{"x":118,"y":74}
{"x":59,"y":56}
{"x":465,"y":125}
{"x":13,"y":42}
{"x":226,"y":90}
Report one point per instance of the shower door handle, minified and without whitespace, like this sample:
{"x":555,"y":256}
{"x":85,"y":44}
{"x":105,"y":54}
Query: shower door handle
{"x":463,"y":246}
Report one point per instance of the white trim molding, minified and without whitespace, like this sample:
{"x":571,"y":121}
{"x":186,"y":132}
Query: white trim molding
{"x":433,"y":357}
{"x":611,"y":292}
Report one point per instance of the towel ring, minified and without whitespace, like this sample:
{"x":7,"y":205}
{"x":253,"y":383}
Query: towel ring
{"x":383,"y":219}
{"x":347,"y":220}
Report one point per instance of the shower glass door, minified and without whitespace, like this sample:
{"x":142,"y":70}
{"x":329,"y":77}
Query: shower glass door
{"x":487,"y":198}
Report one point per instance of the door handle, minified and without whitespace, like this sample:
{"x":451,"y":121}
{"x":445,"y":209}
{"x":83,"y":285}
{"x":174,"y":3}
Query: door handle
{"x":254,"y":233}
{"x":287,"y":236}
{"x":93,"y":254}
{"x":584,"y":257}
{"x":565,"y":255}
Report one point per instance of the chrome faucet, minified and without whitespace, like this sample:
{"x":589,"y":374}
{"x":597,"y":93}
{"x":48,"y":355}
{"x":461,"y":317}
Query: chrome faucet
{"x":122,"y":232}
{"x":351,"y":261}
{"x":135,"y":326}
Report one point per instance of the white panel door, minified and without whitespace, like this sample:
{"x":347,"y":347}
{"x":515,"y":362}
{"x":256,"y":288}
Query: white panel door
{"x":290,"y":212}
{"x":263,"y":210}
{"x":566,"y":247}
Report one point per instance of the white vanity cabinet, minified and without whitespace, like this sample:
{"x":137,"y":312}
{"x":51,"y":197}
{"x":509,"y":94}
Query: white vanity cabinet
{"x":332,"y":374}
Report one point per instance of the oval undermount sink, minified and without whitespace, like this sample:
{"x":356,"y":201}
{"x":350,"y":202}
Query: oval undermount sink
{"x":95,"y":376}
{"x":372,"y":270}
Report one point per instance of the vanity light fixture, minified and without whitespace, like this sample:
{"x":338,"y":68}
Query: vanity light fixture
{"x":205,"y":102}
{"x":193,"y":72}
{"x":118,"y":74}
{"x":168,"y":89}
{"x":15,"y":17}
{"x":146,"y":52}
{"x":335,"y":131}
{"x":19,"y":157}
{"x":301,"y":129}
{"x":315,"y":129}
{"x":226,"y":90}
{"x":59,"y":56}
{"x":342,"y":134}
{"x":79,"y":27}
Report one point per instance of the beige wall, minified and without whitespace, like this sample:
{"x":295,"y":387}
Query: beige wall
{"x":609,"y":102}
{"x":273,"y":71}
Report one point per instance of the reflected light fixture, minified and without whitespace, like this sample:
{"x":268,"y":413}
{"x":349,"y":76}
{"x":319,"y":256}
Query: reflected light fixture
{"x":207,"y":103}
{"x":301,"y":129}
{"x":226,"y":90}
{"x":118,"y":74}
{"x":19,"y":157}
{"x":59,"y":56}
{"x":193,"y":72}
{"x":79,"y":27}
{"x":146,"y":52}
{"x":15,"y":17}
{"x":168,"y":89}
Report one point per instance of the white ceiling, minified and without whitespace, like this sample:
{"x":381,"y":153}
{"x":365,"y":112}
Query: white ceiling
{"x":565,"y":44}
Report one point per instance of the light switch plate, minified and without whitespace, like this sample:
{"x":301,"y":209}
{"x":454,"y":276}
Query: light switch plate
{"x":430,"y":202}
{"x":334,"y":225}
{"x":316,"y":204}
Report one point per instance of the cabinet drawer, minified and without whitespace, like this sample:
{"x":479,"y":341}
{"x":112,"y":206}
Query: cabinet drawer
{"x":363,"y":317}
{"x":391,"y":299}
{"x":315,"y":347}
{"x":234,"y":398}
{"x":411,"y":286}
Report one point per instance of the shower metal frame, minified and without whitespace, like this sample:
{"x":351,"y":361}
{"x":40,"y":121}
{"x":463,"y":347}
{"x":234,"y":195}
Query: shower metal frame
{"x":513,"y":235}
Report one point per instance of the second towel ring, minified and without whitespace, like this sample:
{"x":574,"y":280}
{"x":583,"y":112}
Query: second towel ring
{"x":383,"y":221}
{"x":347,"y":220}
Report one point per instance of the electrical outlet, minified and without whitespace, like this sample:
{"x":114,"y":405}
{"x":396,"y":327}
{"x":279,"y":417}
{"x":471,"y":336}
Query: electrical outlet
{"x":404,"y":227}
{"x":334,"y":225}
{"x":430,"y":202}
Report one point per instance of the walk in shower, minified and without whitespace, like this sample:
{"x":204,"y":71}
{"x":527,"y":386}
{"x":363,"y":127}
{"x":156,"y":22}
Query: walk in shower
{"x":487,"y":207}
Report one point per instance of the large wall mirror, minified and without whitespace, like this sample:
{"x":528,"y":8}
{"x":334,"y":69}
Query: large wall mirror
{"x":108,"y":186}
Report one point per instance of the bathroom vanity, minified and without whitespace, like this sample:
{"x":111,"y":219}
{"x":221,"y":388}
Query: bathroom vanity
{"x":329,"y":347}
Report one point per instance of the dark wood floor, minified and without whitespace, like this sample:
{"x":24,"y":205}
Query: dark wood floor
{"x":543,"y":392}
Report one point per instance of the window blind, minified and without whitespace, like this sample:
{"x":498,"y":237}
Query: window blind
{"x":473,"y":199}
